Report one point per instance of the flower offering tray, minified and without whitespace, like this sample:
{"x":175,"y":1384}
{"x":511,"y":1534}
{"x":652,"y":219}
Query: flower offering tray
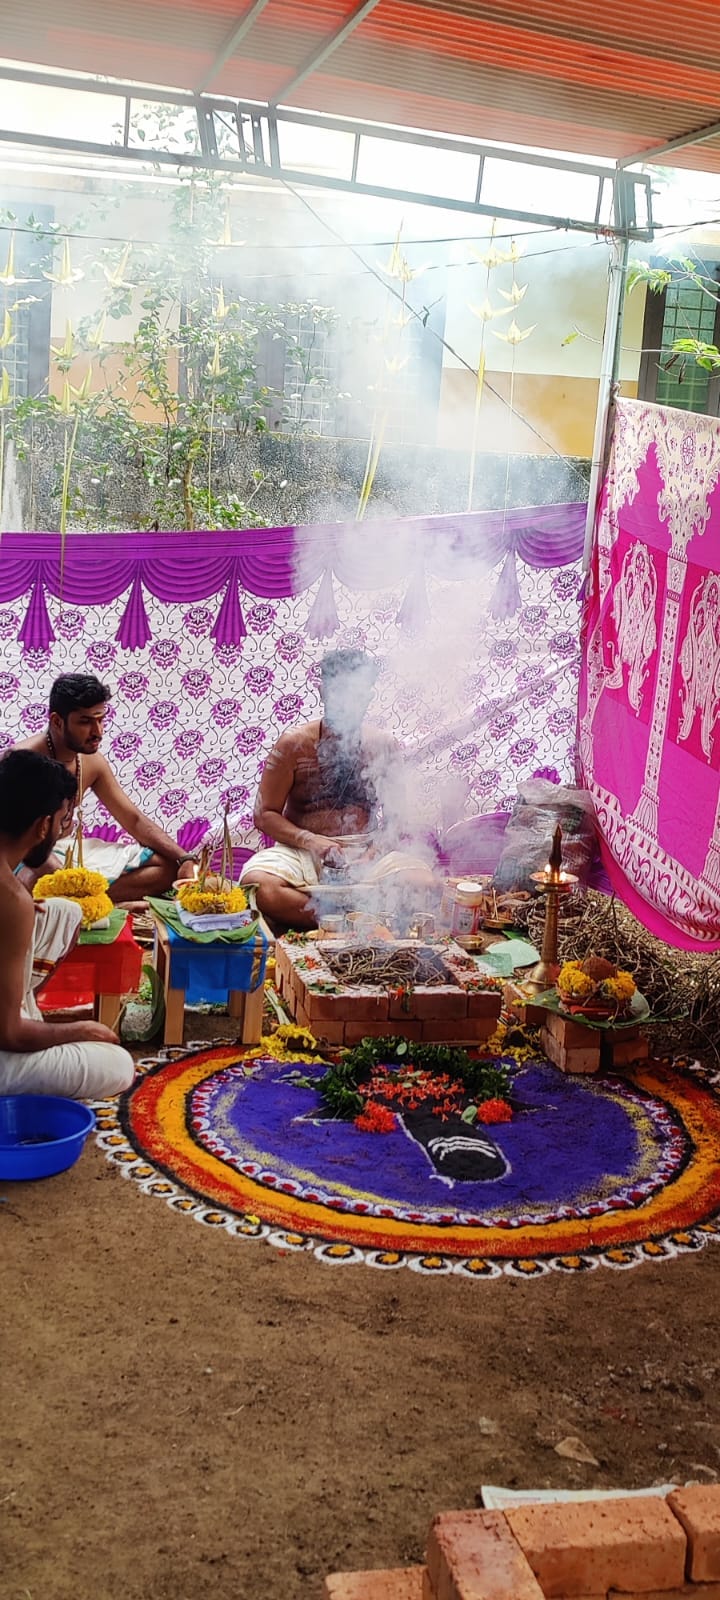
{"x":345,"y":991}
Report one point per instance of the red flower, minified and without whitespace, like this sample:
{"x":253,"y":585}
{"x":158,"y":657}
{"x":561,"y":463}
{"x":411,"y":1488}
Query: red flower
{"x":375,"y":1119}
{"x":494,"y":1111}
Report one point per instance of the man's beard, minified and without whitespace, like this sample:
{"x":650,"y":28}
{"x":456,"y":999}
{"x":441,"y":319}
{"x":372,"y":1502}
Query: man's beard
{"x":78,"y":746}
{"x":38,"y":856}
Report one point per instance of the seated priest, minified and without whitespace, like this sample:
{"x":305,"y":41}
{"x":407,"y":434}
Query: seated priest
{"x":80,"y":1060}
{"x":77,"y":710}
{"x":322,"y":790}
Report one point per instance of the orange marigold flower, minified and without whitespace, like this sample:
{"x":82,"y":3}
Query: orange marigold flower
{"x":495,"y":1111}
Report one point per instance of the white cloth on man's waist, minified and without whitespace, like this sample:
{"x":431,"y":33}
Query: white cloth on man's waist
{"x":298,"y":868}
{"x":112,"y":859}
{"x":91,"y":1071}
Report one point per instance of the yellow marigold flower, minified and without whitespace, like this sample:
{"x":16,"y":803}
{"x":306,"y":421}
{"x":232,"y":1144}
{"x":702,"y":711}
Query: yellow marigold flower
{"x":288,"y":1043}
{"x":291,"y":1033}
{"x":210,"y":902}
{"x":69,"y":883}
{"x":620,"y":988}
{"x":94,"y":907}
{"x":573,"y":981}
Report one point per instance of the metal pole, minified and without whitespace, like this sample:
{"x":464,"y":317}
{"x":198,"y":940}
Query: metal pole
{"x":619,"y":249}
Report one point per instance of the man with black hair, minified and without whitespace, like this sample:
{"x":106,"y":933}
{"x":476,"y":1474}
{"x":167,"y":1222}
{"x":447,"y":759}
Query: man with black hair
{"x":78,"y":707}
{"x":82,"y":1060}
{"x":323,"y":789}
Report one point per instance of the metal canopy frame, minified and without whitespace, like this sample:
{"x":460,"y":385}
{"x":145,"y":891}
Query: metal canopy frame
{"x":320,"y":56}
{"x":227,"y":49}
{"x":247,"y":137}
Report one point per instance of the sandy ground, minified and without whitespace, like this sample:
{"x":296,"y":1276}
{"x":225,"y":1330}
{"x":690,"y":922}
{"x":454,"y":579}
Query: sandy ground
{"x":188,"y":1415}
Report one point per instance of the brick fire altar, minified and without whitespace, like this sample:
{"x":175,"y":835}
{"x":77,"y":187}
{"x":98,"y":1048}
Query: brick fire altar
{"x":344,"y":991}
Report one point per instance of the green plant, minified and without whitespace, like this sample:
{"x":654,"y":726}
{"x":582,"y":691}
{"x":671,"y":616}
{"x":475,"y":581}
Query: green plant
{"x":342,"y":1085}
{"x":658,"y":280}
{"x":161,"y":411}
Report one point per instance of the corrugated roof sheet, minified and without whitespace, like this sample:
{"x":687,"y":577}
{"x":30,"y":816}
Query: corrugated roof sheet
{"x":598,"y":79}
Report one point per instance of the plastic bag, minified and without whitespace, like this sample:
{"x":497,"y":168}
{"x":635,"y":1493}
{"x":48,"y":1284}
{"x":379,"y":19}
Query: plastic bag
{"x":539,"y":807}
{"x":143,"y":1016}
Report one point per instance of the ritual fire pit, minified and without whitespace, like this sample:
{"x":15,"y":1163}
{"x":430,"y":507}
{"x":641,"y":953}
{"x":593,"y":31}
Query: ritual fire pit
{"x":345,"y":991}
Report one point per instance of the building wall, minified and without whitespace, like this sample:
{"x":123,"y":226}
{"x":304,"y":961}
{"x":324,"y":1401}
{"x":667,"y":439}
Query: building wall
{"x":551,"y":376}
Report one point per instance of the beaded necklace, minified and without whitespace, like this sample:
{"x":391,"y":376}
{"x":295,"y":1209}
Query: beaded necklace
{"x":78,"y":773}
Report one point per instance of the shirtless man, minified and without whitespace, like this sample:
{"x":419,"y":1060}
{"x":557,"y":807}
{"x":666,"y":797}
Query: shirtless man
{"x":82,"y":1060}
{"x":319,"y":797}
{"x":78,"y":706}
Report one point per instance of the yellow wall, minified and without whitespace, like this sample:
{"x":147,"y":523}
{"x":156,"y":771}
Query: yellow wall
{"x":551,"y":414}
{"x":109,"y":377}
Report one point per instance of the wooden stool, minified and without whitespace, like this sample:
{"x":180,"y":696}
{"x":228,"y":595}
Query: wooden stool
{"x":96,"y":974}
{"x":244,"y":1004}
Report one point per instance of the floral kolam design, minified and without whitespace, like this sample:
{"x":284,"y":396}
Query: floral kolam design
{"x":585,"y":1173}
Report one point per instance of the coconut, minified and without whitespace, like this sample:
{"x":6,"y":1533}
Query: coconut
{"x":597,"y":968}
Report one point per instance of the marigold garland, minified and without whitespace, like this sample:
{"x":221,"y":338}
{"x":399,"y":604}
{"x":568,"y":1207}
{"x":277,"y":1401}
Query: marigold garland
{"x":200,"y":902}
{"x":288,"y":1043}
{"x":595,"y":981}
{"x":87,"y":889}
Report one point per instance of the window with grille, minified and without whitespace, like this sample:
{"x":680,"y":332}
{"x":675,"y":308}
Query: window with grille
{"x":682,"y":311}
{"x":348,"y":377}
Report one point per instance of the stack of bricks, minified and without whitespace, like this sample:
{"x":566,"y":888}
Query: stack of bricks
{"x":572,"y":1046}
{"x":455,"y":1012}
{"x":643,"y":1548}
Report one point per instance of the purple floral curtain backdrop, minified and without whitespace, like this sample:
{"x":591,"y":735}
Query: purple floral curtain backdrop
{"x":211,"y":644}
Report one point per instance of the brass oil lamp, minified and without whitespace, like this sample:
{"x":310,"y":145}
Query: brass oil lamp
{"x":552,"y":882}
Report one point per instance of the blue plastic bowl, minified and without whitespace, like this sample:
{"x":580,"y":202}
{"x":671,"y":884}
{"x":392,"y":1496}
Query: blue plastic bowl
{"x":41,"y":1134}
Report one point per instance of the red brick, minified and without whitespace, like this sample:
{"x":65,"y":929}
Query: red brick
{"x":407,"y":1029}
{"x":329,"y":1032}
{"x":582,"y":1548}
{"x":455,"y":1030}
{"x":485,"y":1003}
{"x":282,"y":956}
{"x":623,"y":1052}
{"x":698,"y":1510}
{"x":350,"y":1005}
{"x":365,"y":1006}
{"x":428,"y":1593}
{"x":576,"y":1060}
{"x":570,"y":1033}
{"x":332,"y":1006}
{"x":439,"y":1004}
{"x":529,"y":1015}
{"x":476,"y":1029}
{"x":466,"y":1031}
{"x":472,"y":1555}
{"x":402,"y":1583}
{"x":687,"y":1591}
